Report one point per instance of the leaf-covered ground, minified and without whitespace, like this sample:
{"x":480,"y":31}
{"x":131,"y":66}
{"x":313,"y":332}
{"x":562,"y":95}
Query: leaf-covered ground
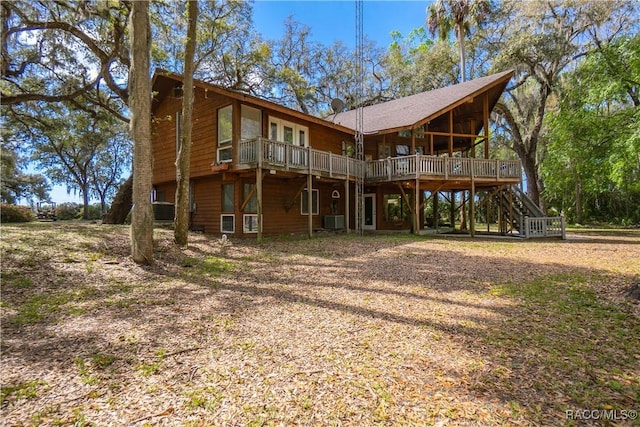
{"x":338,"y":330}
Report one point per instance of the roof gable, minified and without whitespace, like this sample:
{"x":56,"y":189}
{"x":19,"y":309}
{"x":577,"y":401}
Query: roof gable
{"x":164,"y":82}
{"x":413,"y":110}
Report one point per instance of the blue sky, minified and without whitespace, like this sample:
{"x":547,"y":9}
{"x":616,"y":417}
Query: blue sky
{"x":329,"y":21}
{"x":335,"y":20}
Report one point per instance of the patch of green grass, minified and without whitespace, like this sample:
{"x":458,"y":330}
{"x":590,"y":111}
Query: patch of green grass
{"x":103,"y":361}
{"x":148,"y":369}
{"x":39,"y":307}
{"x":207,"y":398}
{"x":211,"y":266}
{"x":216,"y":266}
{"x":85,"y":372}
{"x":14,"y":280}
{"x":27,"y":390}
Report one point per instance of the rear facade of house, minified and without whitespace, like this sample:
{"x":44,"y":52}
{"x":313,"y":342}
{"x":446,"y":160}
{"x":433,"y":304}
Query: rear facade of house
{"x":260,"y":168}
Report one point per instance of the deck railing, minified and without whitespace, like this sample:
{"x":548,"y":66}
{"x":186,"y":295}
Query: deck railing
{"x":543,"y":227}
{"x":446,"y":167}
{"x":280,"y":154}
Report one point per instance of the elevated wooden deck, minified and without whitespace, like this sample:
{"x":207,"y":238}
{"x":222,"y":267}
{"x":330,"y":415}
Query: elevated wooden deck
{"x":281,"y":156}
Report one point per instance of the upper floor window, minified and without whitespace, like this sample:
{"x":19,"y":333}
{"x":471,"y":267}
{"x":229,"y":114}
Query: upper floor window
{"x":225,"y":133}
{"x":225,"y":125}
{"x":291,"y":133}
{"x":250,"y":123}
{"x":419,"y":132}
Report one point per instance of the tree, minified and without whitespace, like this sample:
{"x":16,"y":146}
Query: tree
{"x":183,"y":161}
{"x":446,"y":15}
{"x":593,"y":169}
{"x":63,"y":51}
{"x":541,"y":41}
{"x":140,"y":127}
{"x":107,"y":168}
{"x":15,"y":184}
{"x":69,"y":144}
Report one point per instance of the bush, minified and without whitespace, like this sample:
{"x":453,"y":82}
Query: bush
{"x":67,"y":211}
{"x":95,"y":211}
{"x":13,"y":213}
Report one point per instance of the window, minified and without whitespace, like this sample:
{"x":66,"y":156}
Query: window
{"x":250,"y":123}
{"x":252,"y":204}
{"x":304,"y":202}
{"x":227,"y":223}
{"x":419,"y":149}
{"x":227,"y":198}
{"x":419,"y":132}
{"x":395,"y":208}
{"x":402,"y":150}
{"x":348,"y":149}
{"x":291,"y":133}
{"x":225,"y":133}
{"x":250,"y":223}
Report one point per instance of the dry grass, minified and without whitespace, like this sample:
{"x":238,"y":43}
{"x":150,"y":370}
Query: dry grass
{"x":338,"y":330}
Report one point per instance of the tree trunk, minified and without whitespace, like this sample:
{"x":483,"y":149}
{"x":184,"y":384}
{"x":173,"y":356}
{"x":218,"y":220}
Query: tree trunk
{"x":140,"y":127}
{"x":531,"y":172}
{"x":578,"y":201}
{"x":85,"y":202}
{"x":121,"y":204}
{"x":181,"y":231}
{"x":460,"y":34}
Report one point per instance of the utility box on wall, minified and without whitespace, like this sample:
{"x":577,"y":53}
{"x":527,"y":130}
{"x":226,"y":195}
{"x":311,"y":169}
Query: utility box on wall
{"x":334,"y":222}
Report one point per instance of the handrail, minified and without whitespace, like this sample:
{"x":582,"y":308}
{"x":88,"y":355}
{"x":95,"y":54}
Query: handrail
{"x":421,"y":165}
{"x":290,"y":156}
{"x":544,"y":227}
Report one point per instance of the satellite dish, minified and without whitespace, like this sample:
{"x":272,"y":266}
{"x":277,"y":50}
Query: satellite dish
{"x":337,"y":105}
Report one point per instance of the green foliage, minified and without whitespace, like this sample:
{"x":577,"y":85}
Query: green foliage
{"x":67,"y":211}
{"x":593,"y":169}
{"x":14,"y":184}
{"x":28,"y":390}
{"x":13,"y":213}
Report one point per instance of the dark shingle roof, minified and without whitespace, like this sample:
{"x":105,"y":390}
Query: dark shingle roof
{"x":406,"y":112}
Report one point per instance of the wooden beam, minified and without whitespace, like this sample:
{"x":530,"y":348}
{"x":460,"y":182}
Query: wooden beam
{"x":310,"y":203}
{"x":472,"y":203}
{"x":258,"y":189}
{"x":416,"y":229}
{"x":472,"y":124}
{"x":426,"y":200}
{"x":413,"y":141}
{"x":450,"y":133}
{"x":485,"y":124}
{"x":288,"y":206}
{"x":347,"y":209}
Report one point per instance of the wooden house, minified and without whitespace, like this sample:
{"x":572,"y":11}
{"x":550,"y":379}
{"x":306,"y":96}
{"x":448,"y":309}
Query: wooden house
{"x":261,"y":168}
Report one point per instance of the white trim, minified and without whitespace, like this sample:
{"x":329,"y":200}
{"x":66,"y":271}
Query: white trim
{"x":225,"y":142}
{"x":296,"y":128}
{"x":222,"y":230}
{"x":303,"y":197}
{"x":371,"y":226}
{"x":244,"y":223}
{"x":246,"y":108}
{"x":230,"y":148}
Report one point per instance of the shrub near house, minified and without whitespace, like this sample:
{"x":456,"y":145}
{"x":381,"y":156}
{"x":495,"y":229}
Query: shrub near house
{"x":13,"y":213}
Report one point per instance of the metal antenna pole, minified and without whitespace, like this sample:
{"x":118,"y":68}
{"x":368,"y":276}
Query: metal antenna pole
{"x":359,"y":118}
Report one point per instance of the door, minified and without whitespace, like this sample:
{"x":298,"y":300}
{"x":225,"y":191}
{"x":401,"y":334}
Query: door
{"x":369,"y":212}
